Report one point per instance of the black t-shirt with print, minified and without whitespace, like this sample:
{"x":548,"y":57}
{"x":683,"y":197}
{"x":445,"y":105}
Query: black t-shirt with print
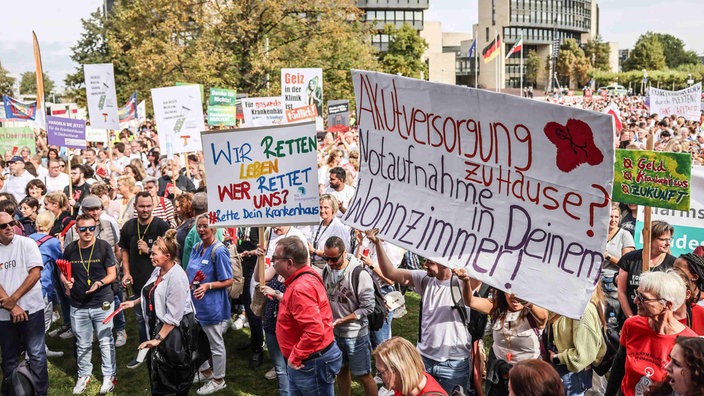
{"x":90,"y":263}
{"x":140,"y":264}
{"x":632,"y":263}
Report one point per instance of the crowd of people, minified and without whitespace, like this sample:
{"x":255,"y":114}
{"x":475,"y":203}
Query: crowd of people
{"x":87,"y":236}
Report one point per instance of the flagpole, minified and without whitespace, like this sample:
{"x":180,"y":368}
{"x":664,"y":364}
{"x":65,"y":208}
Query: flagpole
{"x":521,"y":78}
{"x":476,"y":56}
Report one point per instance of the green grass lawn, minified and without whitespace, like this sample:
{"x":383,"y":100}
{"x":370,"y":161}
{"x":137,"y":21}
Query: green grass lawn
{"x":241,"y":380}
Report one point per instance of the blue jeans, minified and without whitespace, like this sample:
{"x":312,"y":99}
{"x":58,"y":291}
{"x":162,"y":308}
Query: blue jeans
{"x":576,"y":384}
{"x":279,"y":361}
{"x":376,"y":337}
{"x":29,"y":334}
{"x":63,"y":300}
{"x":449,"y":373}
{"x":83,"y":322}
{"x":141,"y":326}
{"x":357,"y":354}
{"x":317,"y":376}
{"x":119,"y":320}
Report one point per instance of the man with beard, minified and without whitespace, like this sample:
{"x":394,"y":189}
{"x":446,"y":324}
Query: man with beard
{"x":339,"y":189}
{"x":79,"y":187}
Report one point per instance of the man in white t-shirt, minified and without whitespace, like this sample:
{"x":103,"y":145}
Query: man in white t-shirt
{"x":448,"y":362}
{"x":339,"y":189}
{"x":18,"y":179}
{"x":55,"y":180}
{"x":22,"y":312}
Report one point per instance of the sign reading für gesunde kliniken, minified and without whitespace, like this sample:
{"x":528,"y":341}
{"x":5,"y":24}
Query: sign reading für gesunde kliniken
{"x":101,"y":96}
{"x":262,"y":176}
{"x":515,"y":191}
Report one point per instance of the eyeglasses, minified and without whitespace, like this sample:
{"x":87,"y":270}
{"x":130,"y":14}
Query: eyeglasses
{"x":642,"y":299}
{"x":84,"y":229}
{"x":333,"y":259}
{"x":382,"y":373}
{"x":274,"y":258}
{"x":668,"y":240}
{"x":5,"y":226}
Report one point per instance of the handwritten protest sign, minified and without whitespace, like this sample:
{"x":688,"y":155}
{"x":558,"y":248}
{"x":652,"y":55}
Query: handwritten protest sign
{"x":657,"y":179}
{"x":263,"y":111}
{"x":688,"y":224}
{"x":101,"y":96}
{"x":262,"y":176}
{"x":301,"y":88}
{"x":17,"y":137}
{"x":179,"y":114}
{"x":685,"y":102}
{"x":515,"y":191}
{"x":66,"y":132}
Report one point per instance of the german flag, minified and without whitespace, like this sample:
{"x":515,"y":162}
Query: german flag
{"x":492,"y":49}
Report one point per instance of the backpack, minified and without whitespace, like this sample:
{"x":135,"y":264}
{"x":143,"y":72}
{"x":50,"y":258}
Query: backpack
{"x":612,"y":340}
{"x":21,"y":382}
{"x":378,"y":316}
{"x":234,"y":291}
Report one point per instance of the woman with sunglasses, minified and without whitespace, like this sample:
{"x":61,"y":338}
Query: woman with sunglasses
{"x":648,"y":337}
{"x":167,"y":305}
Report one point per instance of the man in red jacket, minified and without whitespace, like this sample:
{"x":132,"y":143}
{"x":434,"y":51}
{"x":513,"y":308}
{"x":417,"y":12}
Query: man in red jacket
{"x":304,"y":324}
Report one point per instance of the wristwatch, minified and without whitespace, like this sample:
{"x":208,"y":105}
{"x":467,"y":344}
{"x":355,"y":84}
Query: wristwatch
{"x":157,"y":337}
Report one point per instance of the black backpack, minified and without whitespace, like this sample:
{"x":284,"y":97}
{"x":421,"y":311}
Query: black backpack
{"x":21,"y":382}
{"x":378,"y":316}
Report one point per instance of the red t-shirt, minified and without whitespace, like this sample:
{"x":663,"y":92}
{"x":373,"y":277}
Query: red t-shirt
{"x":697,"y":319}
{"x":304,"y":323}
{"x":430,"y":386}
{"x":647,"y":352}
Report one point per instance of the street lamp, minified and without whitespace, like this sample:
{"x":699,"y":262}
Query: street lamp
{"x":645,"y":81}
{"x":689,"y":80}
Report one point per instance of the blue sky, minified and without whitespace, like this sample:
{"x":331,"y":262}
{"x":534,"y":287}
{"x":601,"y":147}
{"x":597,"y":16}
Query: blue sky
{"x":58,"y":27}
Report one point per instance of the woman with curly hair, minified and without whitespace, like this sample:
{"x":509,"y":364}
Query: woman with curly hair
{"x":691,"y":268}
{"x":685,"y":370}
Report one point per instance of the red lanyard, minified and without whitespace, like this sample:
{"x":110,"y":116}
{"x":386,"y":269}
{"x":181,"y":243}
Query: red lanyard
{"x":151,"y":291}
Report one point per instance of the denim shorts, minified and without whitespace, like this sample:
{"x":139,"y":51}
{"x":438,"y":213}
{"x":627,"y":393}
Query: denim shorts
{"x":356,"y":353}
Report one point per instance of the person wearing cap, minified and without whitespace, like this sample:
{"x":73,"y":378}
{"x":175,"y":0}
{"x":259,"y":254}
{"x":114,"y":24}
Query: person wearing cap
{"x":18,"y":179}
{"x":93,"y":269}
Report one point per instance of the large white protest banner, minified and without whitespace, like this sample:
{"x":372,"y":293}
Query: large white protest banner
{"x":515,"y":191}
{"x":301,"y":88}
{"x":685,"y":102}
{"x":178,"y":112}
{"x":263,"y":111}
{"x":262,"y":176}
{"x":101,"y":96}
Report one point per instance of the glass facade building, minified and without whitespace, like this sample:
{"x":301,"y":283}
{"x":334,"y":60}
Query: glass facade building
{"x":395,"y":12}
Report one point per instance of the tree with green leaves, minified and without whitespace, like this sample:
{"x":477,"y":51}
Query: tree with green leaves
{"x":533,"y":64}
{"x":28,"y":83}
{"x":597,"y":52}
{"x":572,"y":66}
{"x":674,"y":52}
{"x":405,"y":52}
{"x":6,"y":81}
{"x":646,"y":54}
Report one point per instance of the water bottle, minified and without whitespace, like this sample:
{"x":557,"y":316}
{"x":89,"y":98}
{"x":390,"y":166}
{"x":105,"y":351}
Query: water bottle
{"x":612,"y":322}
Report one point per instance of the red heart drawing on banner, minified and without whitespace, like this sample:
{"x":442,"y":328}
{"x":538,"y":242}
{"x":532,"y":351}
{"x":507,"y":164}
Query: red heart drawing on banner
{"x":574,"y":143}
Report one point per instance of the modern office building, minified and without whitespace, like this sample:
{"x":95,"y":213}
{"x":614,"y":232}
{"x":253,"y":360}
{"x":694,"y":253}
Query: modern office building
{"x":395,"y":12}
{"x":543,"y":24}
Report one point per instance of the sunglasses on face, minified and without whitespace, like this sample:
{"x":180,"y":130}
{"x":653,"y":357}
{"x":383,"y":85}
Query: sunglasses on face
{"x":5,"y":226}
{"x":88,"y":228}
{"x":332,"y":259}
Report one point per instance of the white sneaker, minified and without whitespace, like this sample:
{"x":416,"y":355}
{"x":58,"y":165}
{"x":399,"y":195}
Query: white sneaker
{"x":108,"y":384}
{"x":50,"y":353}
{"x":238,"y":324}
{"x":211,"y":387}
{"x":121,"y":338}
{"x":199,"y":378}
{"x":55,"y":316}
{"x":271,"y":374}
{"x":81,"y":385}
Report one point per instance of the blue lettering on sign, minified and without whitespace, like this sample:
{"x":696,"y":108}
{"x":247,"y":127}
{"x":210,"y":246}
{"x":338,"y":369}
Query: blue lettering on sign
{"x":241,"y":153}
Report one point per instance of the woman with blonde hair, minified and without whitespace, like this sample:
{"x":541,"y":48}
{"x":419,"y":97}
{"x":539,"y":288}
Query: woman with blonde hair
{"x":57,"y":204}
{"x":330,"y":225}
{"x":401,"y":368}
{"x":125,"y":202}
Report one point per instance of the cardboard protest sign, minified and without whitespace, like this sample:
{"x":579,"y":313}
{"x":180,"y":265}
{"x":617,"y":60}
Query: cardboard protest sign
{"x":338,"y":114}
{"x":179,"y":115}
{"x":515,"y":191}
{"x":101,"y":96}
{"x":300,"y":89}
{"x":689,"y":232}
{"x":652,"y":178}
{"x":17,"y":137}
{"x":222,"y":108}
{"x":96,"y":135}
{"x":685,"y":102}
{"x":263,"y":111}
{"x":262,"y":176}
{"x":66,"y":132}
